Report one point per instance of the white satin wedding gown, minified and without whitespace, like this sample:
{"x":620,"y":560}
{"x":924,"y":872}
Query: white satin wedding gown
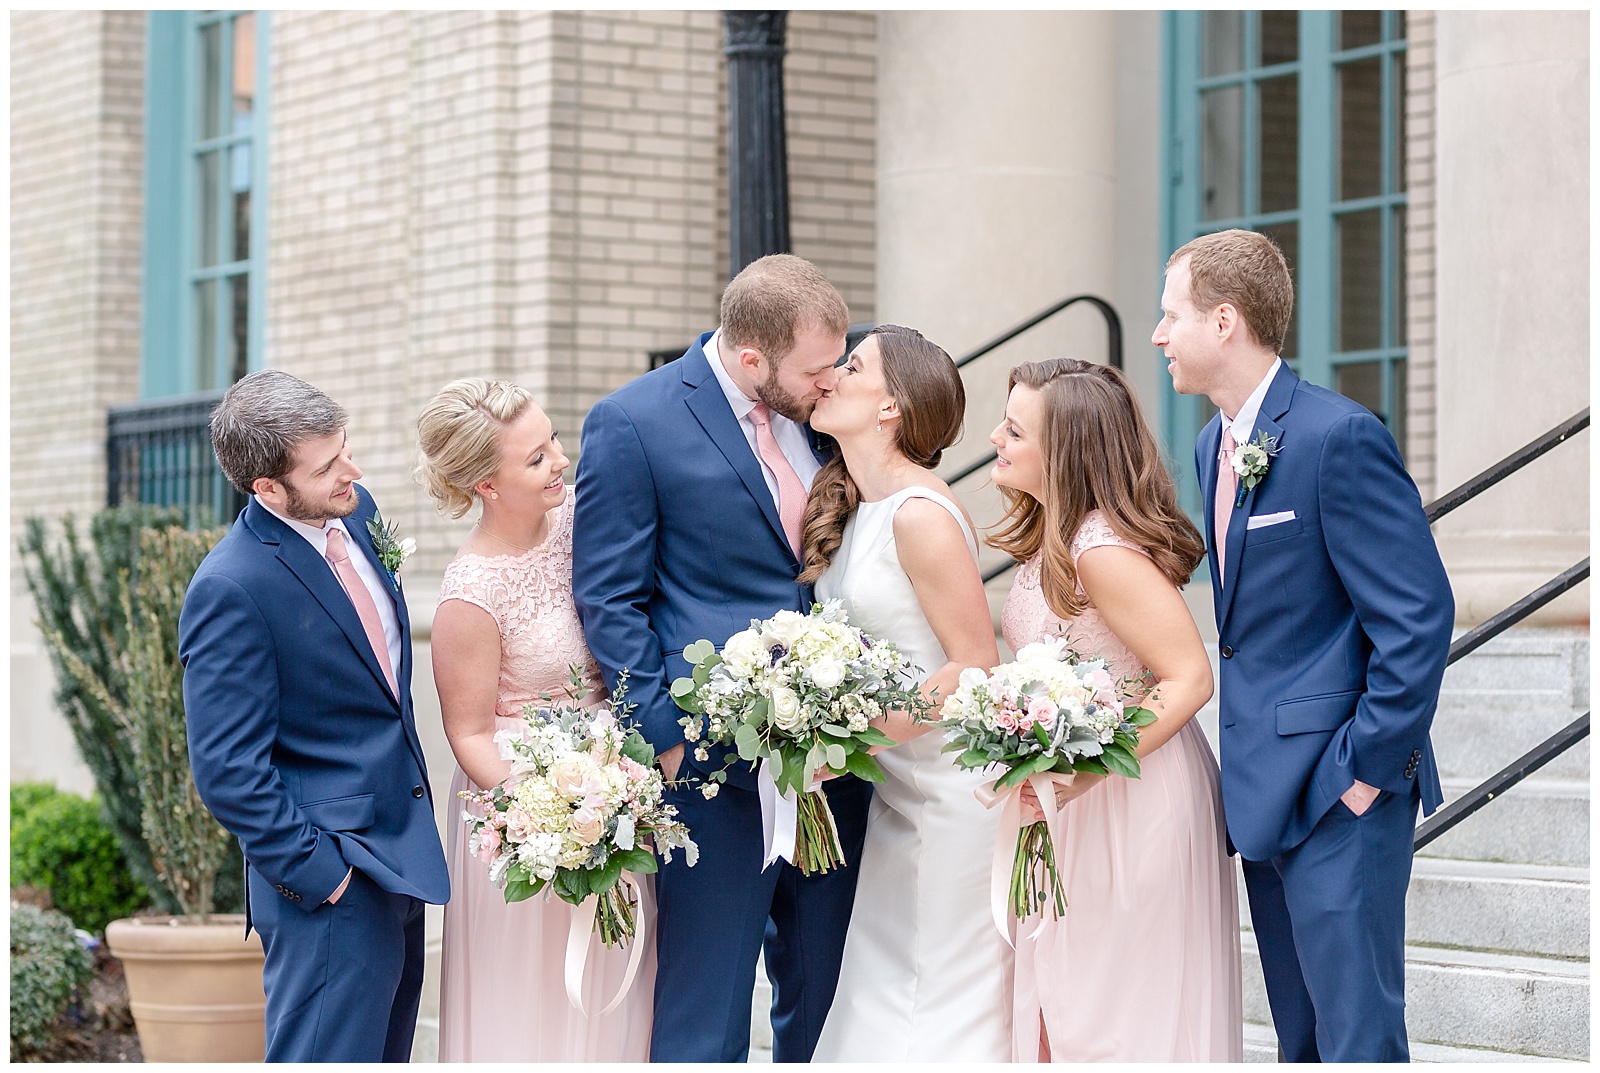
{"x":926,"y":977}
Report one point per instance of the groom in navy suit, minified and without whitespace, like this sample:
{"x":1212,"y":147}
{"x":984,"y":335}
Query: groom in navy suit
{"x":297,"y":686}
{"x":1333,"y":623}
{"x":690,"y":487}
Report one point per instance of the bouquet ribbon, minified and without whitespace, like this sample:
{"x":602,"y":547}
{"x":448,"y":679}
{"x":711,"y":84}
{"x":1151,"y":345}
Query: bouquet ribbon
{"x":582,"y":930}
{"x":1005,"y":839}
{"x":779,"y":815}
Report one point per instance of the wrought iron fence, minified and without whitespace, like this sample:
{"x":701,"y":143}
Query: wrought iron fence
{"x":158,"y":451}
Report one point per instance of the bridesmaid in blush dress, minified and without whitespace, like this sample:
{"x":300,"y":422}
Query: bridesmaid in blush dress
{"x":505,"y":632}
{"x":1144,"y":965}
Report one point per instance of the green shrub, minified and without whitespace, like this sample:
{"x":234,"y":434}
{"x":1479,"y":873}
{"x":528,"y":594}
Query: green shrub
{"x":64,"y":846}
{"x":26,"y":796}
{"x":48,"y":965}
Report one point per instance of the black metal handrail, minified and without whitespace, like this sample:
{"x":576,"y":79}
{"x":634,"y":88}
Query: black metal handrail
{"x":1507,"y":466}
{"x":1113,"y":329}
{"x":158,"y":451}
{"x":1487,"y":631}
{"x":1502,"y":780}
{"x":1113,"y":358}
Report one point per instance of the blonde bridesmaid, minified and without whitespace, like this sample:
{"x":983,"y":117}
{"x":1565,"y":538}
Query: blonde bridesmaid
{"x":505,"y":632}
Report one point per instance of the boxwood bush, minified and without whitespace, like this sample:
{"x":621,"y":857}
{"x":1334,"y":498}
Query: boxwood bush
{"x":64,"y":846}
{"x":48,"y":966}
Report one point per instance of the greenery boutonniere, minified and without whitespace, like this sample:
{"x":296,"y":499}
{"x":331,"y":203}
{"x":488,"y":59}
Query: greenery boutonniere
{"x":392,"y":551}
{"x":1251,"y":462}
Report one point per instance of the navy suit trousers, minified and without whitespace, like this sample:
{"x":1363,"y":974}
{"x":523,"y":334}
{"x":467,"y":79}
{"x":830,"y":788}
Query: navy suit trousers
{"x":1329,"y":918}
{"x":343,"y":981}
{"x":710,"y":930}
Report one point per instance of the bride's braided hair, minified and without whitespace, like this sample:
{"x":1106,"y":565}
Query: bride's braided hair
{"x":923,"y":380}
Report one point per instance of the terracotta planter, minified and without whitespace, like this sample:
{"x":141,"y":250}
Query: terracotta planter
{"x":195,"y":989}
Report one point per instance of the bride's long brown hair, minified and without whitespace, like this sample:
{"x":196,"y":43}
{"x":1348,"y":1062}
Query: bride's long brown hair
{"x":1096,"y":452}
{"x":923,"y":380}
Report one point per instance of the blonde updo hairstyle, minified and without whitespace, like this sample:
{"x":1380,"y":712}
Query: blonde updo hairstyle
{"x":458,"y":435}
{"x":920,"y":376}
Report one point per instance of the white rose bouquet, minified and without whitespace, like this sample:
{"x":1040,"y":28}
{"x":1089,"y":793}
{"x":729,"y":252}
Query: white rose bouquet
{"x":582,"y":805}
{"x":800,"y":692}
{"x":1045,"y":713}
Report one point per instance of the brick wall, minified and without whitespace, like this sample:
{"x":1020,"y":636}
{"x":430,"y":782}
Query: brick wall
{"x":77,"y":116}
{"x":1421,"y":415}
{"x":536,"y":195}
{"x":77,"y":100}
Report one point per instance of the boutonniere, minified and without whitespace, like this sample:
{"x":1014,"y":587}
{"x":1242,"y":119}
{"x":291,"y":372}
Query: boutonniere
{"x":392,"y":551}
{"x":1251,"y":462}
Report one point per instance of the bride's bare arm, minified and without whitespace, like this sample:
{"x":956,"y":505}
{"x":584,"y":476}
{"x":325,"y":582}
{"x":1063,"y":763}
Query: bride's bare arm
{"x":1147,"y":613}
{"x":934,"y":554}
{"x":466,"y":671}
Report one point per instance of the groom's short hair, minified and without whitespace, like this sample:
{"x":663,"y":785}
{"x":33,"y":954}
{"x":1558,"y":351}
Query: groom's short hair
{"x":260,"y":420}
{"x":1248,"y":271}
{"x":775,"y":297}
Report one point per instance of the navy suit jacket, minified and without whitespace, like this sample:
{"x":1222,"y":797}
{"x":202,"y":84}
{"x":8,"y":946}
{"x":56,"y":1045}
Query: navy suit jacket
{"x":675,"y":537}
{"x":297,"y":744}
{"x":1335,"y":624}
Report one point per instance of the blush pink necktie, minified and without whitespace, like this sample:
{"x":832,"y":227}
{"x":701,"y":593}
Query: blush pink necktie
{"x":791,"y":492}
{"x":1227,"y":488}
{"x":339,"y":558}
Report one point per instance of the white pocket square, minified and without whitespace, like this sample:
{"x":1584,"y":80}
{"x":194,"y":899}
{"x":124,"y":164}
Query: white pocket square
{"x":1261,"y":521}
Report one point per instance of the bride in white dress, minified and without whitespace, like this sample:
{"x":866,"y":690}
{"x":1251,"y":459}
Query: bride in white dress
{"x":925,"y":976}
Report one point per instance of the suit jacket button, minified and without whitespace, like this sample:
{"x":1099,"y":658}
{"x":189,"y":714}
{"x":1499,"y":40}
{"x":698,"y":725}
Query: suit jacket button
{"x":416,"y":791}
{"x":1227,"y":652}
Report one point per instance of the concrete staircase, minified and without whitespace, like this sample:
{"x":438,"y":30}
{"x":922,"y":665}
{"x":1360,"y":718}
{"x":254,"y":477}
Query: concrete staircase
{"x":1497,"y":920}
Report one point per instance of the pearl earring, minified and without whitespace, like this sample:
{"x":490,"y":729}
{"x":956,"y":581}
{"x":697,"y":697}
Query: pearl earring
{"x":880,"y":426}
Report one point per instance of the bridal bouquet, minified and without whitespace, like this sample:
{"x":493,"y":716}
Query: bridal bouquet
{"x":582,"y":805}
{"x":800,"y":692}
{"x":1044,"y":713}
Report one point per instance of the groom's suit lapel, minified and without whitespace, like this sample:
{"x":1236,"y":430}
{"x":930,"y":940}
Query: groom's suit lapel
{"x":318,"y":578}
{"x":710,"y":407}
{"x":1273,"y":407}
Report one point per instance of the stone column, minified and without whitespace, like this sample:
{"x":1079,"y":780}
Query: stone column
{"x":996,"y":185}
{"x":758,"y":163}
{"x":1512,"y":278}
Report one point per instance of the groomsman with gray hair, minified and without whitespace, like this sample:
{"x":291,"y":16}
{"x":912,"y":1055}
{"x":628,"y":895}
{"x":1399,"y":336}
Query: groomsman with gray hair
{"x":296,"y":648}
{"x":1333,"y":622}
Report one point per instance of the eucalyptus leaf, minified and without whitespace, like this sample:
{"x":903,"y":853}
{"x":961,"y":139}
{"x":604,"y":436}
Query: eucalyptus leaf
{"x":836,"y":730}
{"x":747,"y":741}
{"x":682,"y":687}
{"x":836,"y":756}
{"x":698,"y":651}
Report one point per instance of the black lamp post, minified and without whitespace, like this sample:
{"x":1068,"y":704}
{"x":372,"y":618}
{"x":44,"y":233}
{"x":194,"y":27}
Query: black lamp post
{"x":758,"y":161}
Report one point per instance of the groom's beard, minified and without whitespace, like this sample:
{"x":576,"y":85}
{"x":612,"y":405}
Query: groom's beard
{"x":303,"y":509}
{"x":780,"y":401}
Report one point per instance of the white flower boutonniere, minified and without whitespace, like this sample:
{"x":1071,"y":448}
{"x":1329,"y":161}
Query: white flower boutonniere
{"x":392,"y":550}
{"x":1251,"y":462}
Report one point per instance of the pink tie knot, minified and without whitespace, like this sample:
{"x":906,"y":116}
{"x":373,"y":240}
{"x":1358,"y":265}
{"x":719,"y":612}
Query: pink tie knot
{"x":760,"y":415}
{"x":337,"y":552}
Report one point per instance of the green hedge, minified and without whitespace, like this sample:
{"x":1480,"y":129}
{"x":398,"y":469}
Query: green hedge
{"x":63,"y":845}
{"x":48,"y":966}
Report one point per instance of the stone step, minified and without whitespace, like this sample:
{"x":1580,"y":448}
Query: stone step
{"x":1540,"y":820}
{"x":1261,"y":1045}
{"x":1540,"y":910}
{"x":1477,"y":733}
{"x":1471,"y":999}
{"x":1527,"y":665}
{"x":1511,"y":908}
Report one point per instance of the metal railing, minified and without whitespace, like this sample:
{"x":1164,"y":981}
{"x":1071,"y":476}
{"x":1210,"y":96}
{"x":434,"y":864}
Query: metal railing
{"x":158,"y":451}
{"x":1575,"y":731}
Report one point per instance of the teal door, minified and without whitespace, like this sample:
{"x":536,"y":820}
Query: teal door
{"x":1292,"y":123}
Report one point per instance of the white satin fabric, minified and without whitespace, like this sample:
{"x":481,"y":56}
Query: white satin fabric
{"x":925,"y":978}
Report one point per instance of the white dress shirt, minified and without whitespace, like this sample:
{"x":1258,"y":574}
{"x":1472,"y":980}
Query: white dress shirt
{"x":383,"y":596}
{"x":1243,"y":424}
{"x":792,"y":436}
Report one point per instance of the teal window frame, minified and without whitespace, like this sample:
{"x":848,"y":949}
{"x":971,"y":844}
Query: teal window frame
{"x":172,"y":274}
{"x":1319,"y":208}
